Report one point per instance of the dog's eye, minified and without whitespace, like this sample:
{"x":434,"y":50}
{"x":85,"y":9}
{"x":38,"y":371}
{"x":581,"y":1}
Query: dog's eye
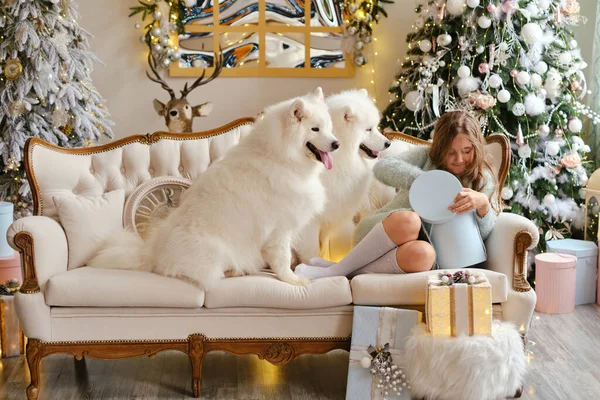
{"x":315,"y":129}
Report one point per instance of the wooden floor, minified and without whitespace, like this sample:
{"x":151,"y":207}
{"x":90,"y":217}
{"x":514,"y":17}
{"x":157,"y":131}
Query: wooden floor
{"x":564,"y":355}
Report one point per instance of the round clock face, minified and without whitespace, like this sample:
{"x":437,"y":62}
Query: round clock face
{"x":153,"y":201}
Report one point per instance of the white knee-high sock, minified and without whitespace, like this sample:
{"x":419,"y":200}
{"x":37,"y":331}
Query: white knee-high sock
{"x":320,"y":262}
{"x":386,"y":264}
{"x":374,"y":245}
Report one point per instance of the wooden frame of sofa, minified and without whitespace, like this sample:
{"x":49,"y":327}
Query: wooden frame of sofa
{"x":278,"y":351}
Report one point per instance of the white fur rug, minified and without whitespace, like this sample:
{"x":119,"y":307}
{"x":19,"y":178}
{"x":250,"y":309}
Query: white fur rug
{"x":466,"y":368}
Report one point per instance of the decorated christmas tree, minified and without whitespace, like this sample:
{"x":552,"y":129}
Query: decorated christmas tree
{"x":45,"y":87}
{"x":517,"y":66}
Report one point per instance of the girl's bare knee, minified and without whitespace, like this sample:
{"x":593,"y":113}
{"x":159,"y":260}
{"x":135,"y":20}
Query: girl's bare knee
{"x":402,"y":226}
{"x":415,"y":256}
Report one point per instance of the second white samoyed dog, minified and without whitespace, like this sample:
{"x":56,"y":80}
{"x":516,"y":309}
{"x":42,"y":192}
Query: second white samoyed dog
{"x":243,"y":212}
{"x":355,"y":119}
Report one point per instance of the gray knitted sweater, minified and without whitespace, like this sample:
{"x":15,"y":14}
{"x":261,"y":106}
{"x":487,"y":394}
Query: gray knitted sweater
{"x":400,"y":172}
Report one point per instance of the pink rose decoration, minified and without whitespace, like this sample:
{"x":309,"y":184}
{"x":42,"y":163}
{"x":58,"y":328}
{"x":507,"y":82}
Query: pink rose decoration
{"x":481,"y":100}
{"x":491,"y":7}
{"x":484,"y":68}
{"x":570,"y":161}
{"x":572,"y":7}
{"x":514,"y":73}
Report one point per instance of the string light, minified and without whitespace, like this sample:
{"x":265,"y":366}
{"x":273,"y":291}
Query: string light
{"x":375,"y":54}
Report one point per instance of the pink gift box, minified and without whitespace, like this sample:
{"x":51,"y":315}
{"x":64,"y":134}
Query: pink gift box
{"x":10,"y":267}
{"x":555,"y":282}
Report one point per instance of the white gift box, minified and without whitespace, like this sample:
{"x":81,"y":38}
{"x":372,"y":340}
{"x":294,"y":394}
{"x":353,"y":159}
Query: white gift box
{"x":586,"y":269}
{"x":376,"y":326}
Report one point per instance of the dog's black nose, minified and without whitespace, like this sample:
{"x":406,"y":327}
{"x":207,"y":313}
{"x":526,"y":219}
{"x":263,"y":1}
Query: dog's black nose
{"x":387,"y":144}
{"x":335,"y":145}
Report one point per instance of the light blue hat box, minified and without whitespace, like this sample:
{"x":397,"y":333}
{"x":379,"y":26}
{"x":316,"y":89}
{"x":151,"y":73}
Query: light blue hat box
{"x":455,"y":237}
{"x":587,"y":266}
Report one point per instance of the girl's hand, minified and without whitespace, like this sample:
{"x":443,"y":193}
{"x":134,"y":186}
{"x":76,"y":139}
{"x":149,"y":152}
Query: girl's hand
{"x":468,"y":200}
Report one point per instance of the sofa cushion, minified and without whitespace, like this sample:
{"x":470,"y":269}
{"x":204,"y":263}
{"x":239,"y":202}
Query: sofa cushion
{"x":88,"y":221}
{"x":410,"y":289}
{"x":265,"y":290}
{"x":99,"y":287}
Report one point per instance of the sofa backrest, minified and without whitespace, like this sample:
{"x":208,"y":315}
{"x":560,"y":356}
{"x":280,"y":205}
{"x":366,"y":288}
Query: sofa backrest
{"x":123,"y":164}
{"x":497,"y":148}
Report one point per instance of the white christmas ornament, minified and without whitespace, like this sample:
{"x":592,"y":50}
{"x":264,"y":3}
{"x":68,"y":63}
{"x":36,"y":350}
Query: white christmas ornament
{"x":473,"y":3}
{"x":484,"y":22}
{"x":156,"y":31}
{"x":565,"y":57}
{"x":506,"y":193}
{"x":523,"y":77}
{"x":495,"y":81}
{"x":552,"y":84}
{"x":531,"y":33}
{"x":455,"y":7}
{"x":541,"y":67}
{"x":503,"y":96}
{"x":575,"y":125}
{"x":549,"y":199}
{"x":543,"y":4}
{"x":480,"y":49}
{"x":533,"y":10}
{"x":518,"y":109}
{"x":464,"y":71}
{"x":524,"y":151}
{"x":413,"y":100}
{"x":420,"y":22}
{"x":444,"y":39}
{"x":425,"y":45}
{"x":552,"y":148}
{"x":536,"y":81}
{"x":365,"y":362}
{"x":543,"y":131}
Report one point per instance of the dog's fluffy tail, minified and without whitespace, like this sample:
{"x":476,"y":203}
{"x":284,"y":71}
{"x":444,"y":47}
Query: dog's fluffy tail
{"x":123,"y":250}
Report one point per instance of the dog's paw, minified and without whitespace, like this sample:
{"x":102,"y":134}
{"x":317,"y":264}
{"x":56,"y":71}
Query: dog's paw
{"x":294,"y":279}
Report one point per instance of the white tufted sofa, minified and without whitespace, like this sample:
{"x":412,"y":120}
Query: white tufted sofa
{"x":118,"y":313}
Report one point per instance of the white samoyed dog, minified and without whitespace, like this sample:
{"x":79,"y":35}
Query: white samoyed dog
{"x":243,"y":212}
{"x":355,"y":119}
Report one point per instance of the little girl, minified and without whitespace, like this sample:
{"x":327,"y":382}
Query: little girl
{"x":392,"y":240}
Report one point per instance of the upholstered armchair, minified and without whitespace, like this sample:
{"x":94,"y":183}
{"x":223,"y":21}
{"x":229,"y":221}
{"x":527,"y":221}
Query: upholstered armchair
{"x":507,"y":248}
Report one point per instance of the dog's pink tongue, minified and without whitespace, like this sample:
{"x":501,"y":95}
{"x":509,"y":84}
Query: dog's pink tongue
{"x":326,"y":159}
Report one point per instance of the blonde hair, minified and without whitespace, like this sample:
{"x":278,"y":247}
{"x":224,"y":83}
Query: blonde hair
{"x":449,"y":126}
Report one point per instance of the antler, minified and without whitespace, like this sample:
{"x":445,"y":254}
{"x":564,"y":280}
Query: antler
{"x":158,"y":79}
{"x":198,"y":82}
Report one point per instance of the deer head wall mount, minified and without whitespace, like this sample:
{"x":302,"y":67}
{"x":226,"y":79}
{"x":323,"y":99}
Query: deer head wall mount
{"x":178,"y":112}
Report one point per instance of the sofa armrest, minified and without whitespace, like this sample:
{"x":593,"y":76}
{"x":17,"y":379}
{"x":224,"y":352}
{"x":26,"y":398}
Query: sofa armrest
{"x":43,"y":245}
{"x":507,"y":246}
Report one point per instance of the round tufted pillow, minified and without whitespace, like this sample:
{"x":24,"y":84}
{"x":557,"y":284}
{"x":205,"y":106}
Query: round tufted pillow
{"x":153,"y":200}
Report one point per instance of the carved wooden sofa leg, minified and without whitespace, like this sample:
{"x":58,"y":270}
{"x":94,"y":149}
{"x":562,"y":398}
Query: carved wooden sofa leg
{"x":196,"y":354}
{"x":34,"y":358}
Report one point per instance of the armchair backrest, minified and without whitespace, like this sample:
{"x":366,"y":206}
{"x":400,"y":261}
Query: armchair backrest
{"x":123,"y":164}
